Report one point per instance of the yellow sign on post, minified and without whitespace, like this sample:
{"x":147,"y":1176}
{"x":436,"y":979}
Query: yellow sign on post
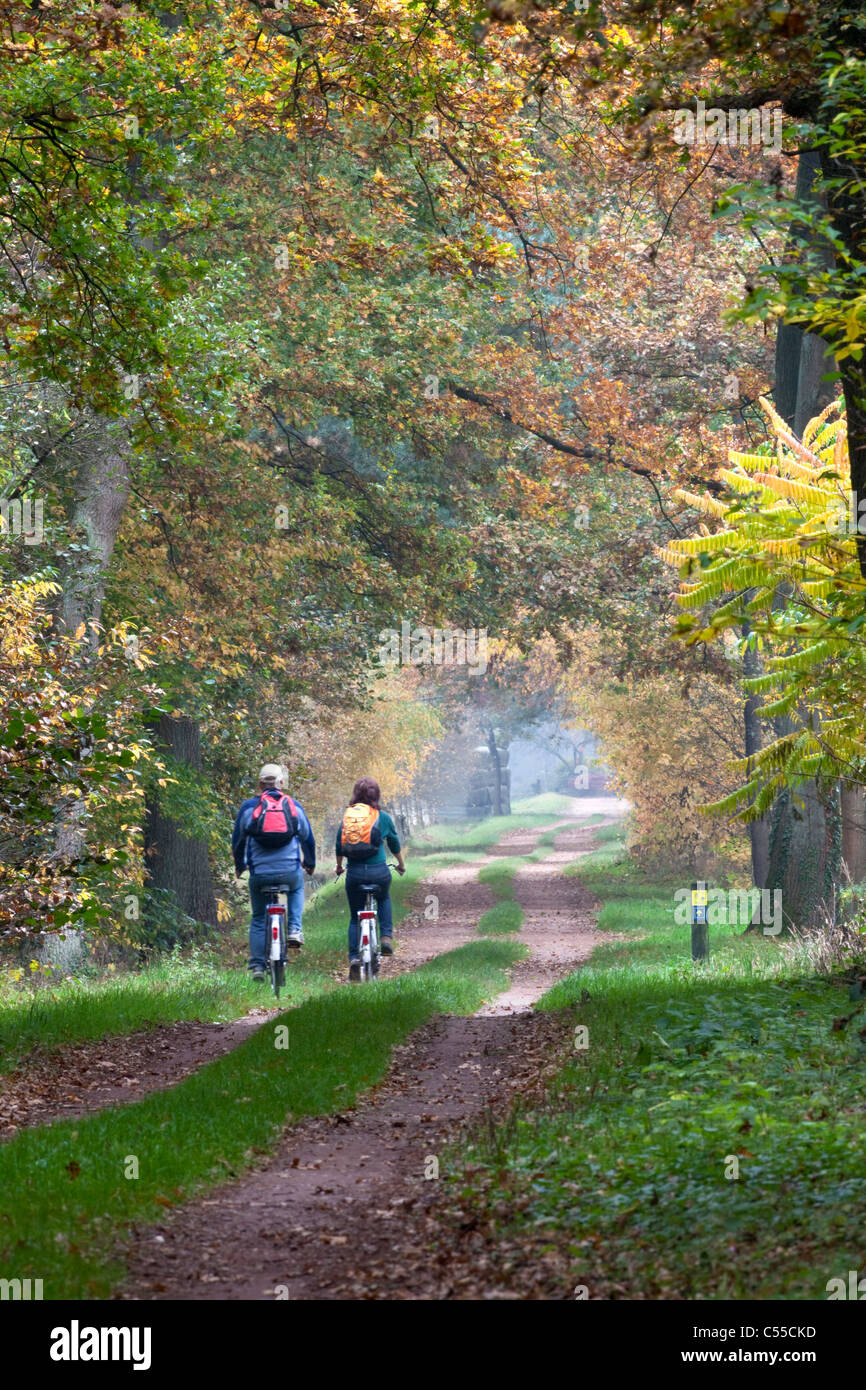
{"x":700,"y":930}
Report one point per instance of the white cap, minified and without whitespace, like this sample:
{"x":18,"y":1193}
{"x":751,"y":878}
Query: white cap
{"x":271,"y":772}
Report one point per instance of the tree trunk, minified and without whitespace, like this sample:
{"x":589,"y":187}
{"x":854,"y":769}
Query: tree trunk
{"x":789,"y":340}
{"x":855,"y":410}
{"x":802,"y":364}
{"x":847,"y":204}
{"x":496,"y":779}
{"x":813,"y":392}
{"x":176,"y":862}
{"x":854,"y":832}
{"x":805,"y":846}
{"x":806,"y":854}
{"x":96,"y":457}
{"x":93,"y":464}
{"x":505,"y":792}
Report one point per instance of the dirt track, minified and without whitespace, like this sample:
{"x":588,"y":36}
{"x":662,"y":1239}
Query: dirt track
{"x":347,"y":1207}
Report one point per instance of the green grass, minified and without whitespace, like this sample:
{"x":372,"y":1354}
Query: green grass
{"x":608,"y":833}
{"x":504,"y":917}
{"x":499,"y":876}
{"x":609,"y":852}
{"x":685,"y":1068}
{"x":65,"y":1197}
{"x":545,"y":842}
{"x":507,"y":915}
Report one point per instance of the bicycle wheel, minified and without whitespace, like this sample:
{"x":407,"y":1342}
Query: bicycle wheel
{"x":374,"y":948}
{"x":278,"y":964}
{"x":365,"y":940}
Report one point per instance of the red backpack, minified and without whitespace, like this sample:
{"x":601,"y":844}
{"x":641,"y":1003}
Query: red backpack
{"x":274,"y":822}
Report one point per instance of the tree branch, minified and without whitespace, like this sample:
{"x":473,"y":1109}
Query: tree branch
{"x":586,"y":453}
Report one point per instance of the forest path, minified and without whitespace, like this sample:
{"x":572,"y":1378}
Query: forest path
{"x":345,"y":1208}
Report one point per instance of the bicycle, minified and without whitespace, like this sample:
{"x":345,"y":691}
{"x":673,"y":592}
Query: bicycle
{"x":276,"y":934}
{"x":368,"y":931}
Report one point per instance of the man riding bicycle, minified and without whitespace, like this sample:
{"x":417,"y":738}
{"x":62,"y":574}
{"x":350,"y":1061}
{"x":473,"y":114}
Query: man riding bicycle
{"x":364,"y":832}
{"x":272,"y":838}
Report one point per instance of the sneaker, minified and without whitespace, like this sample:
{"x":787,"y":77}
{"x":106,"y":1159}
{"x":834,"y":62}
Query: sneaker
{"x":386,"y":946}
{"x":295,"y":939}
{"x":258,"y":977}
{"x":354,"y":972}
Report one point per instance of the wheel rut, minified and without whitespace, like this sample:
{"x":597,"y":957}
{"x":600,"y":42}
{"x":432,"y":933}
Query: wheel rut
{"x":81,"y":1078}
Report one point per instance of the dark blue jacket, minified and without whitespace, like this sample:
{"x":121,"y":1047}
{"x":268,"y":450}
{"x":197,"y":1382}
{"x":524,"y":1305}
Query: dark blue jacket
{"x":249,"y":854}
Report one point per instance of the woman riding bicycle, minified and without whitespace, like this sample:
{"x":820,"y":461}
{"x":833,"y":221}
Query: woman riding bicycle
{"x":364,"y":832}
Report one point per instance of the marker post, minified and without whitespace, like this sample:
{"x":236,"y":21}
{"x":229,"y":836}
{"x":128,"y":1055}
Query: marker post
{"x":700,"y":927}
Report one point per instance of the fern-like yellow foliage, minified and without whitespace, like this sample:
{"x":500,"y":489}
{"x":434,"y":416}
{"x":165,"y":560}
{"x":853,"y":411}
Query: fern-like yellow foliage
{"x":787,"y":554}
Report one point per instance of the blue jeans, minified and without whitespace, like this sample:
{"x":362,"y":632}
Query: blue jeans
{"x":258,"y":904}
{"x":356,"y":875}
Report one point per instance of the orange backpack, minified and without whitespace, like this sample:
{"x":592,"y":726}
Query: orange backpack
{"x":360,"y":835}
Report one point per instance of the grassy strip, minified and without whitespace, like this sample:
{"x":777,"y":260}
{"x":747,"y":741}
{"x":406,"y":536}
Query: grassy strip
{"x":706,"y":1140}
{"x":499,"y":876}
{"x":507,"y":915}
{"x":67,"y":1189}
{"x":545,"y":842}
{"x":504,"y":917}
{"x":189,"y":986}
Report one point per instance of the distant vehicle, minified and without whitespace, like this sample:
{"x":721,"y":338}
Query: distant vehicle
{"x":586,"y":782}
